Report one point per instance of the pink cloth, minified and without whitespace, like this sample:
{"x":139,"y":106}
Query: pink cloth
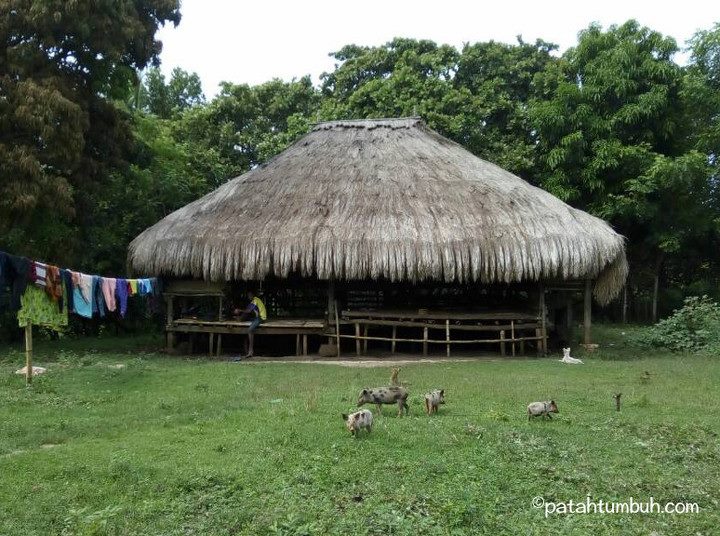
{"x":108,"y":290}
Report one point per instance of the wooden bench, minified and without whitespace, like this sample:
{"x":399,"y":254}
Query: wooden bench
{"x":301,"y":328}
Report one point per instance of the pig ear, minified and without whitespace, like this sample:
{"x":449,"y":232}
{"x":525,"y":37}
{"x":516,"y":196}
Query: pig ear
{"x":344,"y":416}
{"x":442,"y":392}
{"x":364,"y":391}
{"x":552,"y":402}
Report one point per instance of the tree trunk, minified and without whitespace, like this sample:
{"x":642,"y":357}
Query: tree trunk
{"x":656,"y":287}
{"x":625,"y":305}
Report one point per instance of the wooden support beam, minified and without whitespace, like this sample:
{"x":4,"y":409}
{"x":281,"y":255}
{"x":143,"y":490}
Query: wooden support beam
{"x":365,"y":342}
{"x":297,"y":344}
{"x":447,"y":337}
{"x":394,"y":335}
{"x":357,"y":338}
{"x":28,"y":354}
{"x":168,"y":322}
{"x":305,"y":344}
{"x":538,"y":335}
{"x":219,"y":344}
{"x":212,"y":344}
{"x":425,"y":341}
{"x":502,"y":342}
{"x":543,"y":319}
{"x":512,"y":336}
{"x":337,"y":328}
{"x":587,"y":313}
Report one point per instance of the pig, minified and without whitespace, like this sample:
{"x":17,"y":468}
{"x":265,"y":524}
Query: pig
{"x":433,"y":400}
{"x":385,"y":395}
{"x":545,"y":408}
{"x":358,"y":420}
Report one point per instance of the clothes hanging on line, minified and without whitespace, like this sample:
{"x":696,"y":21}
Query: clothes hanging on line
{"x":14,"y":273}
{"x":108,"y":288}
{"x":38,"y":310}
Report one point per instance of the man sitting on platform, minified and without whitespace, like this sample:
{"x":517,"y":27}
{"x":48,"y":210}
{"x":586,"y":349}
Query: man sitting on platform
{"x":257,"y":313}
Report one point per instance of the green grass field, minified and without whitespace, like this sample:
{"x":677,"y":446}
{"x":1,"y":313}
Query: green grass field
{"x":179,"y":446}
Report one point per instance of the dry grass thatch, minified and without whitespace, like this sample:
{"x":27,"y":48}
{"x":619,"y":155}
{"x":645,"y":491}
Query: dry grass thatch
{"x":382,"y":198}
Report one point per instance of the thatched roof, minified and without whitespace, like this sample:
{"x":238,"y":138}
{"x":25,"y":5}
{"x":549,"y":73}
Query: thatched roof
{"x":382,"y":198}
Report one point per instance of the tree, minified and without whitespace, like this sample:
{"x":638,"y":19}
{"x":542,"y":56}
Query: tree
{"x":478,"y":97}
{"x":165,"y":100}
{"x":61,"y":64}
{"x":615,"y":139}
{"x":247,"y":125}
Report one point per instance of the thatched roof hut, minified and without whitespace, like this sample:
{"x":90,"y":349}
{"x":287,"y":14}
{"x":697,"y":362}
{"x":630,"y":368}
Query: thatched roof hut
{"x":386,"y":198}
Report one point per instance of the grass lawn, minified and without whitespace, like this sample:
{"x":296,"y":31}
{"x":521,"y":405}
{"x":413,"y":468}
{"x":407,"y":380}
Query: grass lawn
{"x":187,"y":446}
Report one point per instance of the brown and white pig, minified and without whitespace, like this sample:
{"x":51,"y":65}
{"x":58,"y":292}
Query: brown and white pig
{"x":537,"y":409}
{"x":359,"y":420}
{"x":393,"y":394}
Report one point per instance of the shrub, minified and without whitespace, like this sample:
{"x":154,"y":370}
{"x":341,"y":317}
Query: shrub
{"x":695,"y":326}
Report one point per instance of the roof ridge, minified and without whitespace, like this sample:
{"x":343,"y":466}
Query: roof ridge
{"x":389,"y":122}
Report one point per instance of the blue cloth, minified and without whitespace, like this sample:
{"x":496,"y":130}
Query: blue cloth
{"x":66,"y":278}
{"x":98,"y":300}
{"x":81,"y":306}
{"x":121,"y":292}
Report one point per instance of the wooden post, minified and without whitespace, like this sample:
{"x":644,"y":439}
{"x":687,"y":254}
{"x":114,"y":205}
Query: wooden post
{"x":332,"y":304}
{"x":587,"y":317}
{"x":425,"y":339}
{"x":357,"y":338}
{"x":538,"y":335}
{"x":543,"y":320}
{"x":366,"y":328}
{"x":305,"y":344}
{"x":168,"y":323}
{"x":512,"y":336}
{"x":394,"y":335}
{"x":212,"y":343}
{"x":447,"y":337}
{"x":28,"y":354}
{"x":502,"y":342}
{"x":220,"y":308}
{"x":337,"y":328}
{"x":617,"y":401}
{"x":219,"y":344}
{"x":297,"y":344}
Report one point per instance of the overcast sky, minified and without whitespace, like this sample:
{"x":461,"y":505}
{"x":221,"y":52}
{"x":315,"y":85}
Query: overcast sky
{"x":255,"y":41}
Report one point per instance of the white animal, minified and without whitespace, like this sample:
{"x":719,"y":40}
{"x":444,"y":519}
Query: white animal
{"x":35,"y":370}
{"x":358,"y":420}
{"x":570,"y":360}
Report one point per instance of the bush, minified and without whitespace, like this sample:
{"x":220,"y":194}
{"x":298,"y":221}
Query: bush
{"x":695,"y":326}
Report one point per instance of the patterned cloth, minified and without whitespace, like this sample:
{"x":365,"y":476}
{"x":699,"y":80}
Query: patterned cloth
{"x":39,"y":310}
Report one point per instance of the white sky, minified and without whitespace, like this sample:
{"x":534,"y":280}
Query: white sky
{"x":257,"y":40}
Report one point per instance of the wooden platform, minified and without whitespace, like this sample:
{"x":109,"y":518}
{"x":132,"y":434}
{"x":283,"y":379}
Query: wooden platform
{"x":300,"y":328}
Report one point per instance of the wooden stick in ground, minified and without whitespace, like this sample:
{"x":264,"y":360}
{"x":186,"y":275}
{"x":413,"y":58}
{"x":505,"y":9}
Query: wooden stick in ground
{"x":447,"y":337}
{"x":617,"y":401}
{"x":337,"y":328}
{"x":28,"y":354}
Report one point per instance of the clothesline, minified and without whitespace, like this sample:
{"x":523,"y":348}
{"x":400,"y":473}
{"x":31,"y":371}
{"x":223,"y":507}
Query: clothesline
{"x":44,"y":294}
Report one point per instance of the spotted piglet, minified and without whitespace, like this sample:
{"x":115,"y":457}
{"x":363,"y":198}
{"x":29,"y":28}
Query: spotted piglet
{"x":537,"y":409}
{"x":358,"y":420}
{"x":385,"y":395}
{"x":433,"y":400}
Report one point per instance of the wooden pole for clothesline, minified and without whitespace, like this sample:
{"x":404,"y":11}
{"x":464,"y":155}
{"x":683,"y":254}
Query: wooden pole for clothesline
{"x":28,"y":354}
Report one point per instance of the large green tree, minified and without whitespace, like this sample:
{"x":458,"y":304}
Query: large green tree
{"x":615,"y":139}
{"x":61,"y":65}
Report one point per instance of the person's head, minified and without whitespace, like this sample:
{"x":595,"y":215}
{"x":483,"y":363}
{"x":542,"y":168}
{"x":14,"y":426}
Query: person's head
{"x":250,"y":294}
